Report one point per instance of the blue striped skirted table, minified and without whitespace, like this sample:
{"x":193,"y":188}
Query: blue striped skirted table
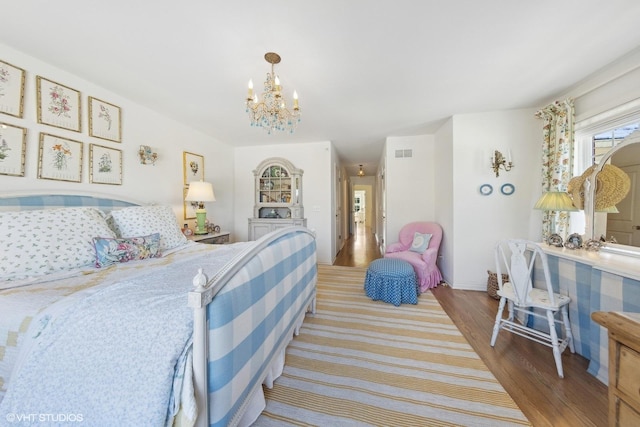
{"x":391,"y":280}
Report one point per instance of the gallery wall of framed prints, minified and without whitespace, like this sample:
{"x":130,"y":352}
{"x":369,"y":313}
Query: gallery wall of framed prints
{"x":59,"y":106}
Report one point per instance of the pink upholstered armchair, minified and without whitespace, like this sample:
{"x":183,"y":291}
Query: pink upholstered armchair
{"x":424,"y":264}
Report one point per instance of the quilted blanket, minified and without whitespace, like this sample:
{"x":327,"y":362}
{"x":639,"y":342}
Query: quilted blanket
{"x":113,"y":354}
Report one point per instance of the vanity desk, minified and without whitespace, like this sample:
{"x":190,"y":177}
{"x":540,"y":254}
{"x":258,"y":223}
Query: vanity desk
{"x":595,"y":281}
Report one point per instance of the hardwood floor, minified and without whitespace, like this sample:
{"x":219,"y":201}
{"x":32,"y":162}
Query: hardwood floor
{"x":525,"y":369}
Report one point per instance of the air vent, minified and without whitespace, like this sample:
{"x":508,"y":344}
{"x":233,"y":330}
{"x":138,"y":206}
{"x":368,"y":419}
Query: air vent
{"x":404,"y":153}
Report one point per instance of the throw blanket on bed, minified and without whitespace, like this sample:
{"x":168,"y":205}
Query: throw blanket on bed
{"x":111,"y":357}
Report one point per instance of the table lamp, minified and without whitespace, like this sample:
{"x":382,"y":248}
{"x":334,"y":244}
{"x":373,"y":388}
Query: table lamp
{"x":555,"y":201}
{"x":200,"y":192}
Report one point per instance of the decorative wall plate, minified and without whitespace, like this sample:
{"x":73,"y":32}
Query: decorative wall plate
{"x":507,"y":189}
{"x":486,"y":189}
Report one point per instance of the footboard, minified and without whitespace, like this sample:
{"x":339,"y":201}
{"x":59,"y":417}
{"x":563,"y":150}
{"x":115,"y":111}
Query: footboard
{"x":245,"y":316}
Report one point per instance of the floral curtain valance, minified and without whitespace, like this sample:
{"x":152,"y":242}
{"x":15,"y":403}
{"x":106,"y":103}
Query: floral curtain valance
{"x":557,"y":158}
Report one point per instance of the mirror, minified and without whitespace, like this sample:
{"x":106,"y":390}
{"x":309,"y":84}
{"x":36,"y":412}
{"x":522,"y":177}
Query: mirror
{"x":623,"y":225}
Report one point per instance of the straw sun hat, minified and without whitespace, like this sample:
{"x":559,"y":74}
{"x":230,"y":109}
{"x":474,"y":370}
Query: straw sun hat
{"x":612,"y":185}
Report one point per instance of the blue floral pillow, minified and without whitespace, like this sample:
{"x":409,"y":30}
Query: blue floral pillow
{"x":112,"y":251}
{"x":420,"y":242}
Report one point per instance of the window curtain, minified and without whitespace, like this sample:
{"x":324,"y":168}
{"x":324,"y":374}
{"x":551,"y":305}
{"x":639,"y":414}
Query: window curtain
{"x":557,"y":159}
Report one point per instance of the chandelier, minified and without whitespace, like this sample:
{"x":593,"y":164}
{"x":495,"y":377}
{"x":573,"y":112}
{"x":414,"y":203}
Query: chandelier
{"x":270,"y":110}
{"x":361,"y":171}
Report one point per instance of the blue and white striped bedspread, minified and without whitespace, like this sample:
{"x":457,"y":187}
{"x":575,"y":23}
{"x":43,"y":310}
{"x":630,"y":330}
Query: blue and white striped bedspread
{"x":111,"y":356}
{"x":252,"y":318}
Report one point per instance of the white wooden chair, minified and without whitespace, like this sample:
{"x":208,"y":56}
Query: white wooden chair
{"x":519,"y":257}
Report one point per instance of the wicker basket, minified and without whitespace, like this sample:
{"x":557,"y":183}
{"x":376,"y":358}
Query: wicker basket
{"x":492,"y":283}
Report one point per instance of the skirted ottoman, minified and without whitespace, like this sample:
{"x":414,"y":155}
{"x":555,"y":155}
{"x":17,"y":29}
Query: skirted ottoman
{"x":391,"y":280}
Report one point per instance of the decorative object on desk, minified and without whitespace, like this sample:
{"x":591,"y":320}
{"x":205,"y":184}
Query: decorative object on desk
{"x":12,"y":89}
{"x":554,"y":201}
{"x":486,"y":189}
{"x":212,"y":228}
{"x":192,"y":167}
{"x":13,"y":143}
{"x":147,"y":156}
{"x":499,"y":161}
{"x":574,"y":241}
{"x":58,"y":105}
{"x":612,"y":185}
{"x":105,"y":165}
{"x":555,"y":240}
{"x":104,"y":120}
{"x":507,"y":189}
{"x":59,"y":158}
{"x":270,"y":111}
{"x":186,"y":230}
{"x":593,"y":245}
{"x":200,"y":191}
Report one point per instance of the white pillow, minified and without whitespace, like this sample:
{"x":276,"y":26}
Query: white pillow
{"x":420,"y":242}
{"x":38,"y":242}
{"x":146,"y":220}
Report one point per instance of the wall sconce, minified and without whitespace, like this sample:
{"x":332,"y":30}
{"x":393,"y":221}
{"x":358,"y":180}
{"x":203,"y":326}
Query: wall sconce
{"x":147,"y":156}
{"x":499,"y":161}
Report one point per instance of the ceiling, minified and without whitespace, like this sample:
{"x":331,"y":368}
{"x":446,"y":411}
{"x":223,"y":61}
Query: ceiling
{"x":364,"y":69}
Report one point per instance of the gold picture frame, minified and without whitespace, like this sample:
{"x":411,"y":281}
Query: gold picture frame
{"x":58,"y":105}
{"x":105,"y":165}
{"x":105,"y":120}
{"x":192,"y":167}
{"x":188,"y":207}
{"x":59,"y":158}
{"x":13,"y":144}
{"x":11,"y":89}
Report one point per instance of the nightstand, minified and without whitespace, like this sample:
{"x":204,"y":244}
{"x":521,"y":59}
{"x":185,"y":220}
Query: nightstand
{"x":211,"y":238}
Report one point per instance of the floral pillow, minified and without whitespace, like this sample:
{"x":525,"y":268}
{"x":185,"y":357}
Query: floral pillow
{"x":39,"y":242}
{"x":146,"y":220}
{"x":420,"y":242}
{"x":112,"y":251}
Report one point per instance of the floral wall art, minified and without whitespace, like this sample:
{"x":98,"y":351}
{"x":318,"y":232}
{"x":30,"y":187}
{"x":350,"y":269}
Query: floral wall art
{"x":104,"y":120}
{"x":11,"y":89}
{"x":58,"y":105}
{"x":13,"y":140}
{"x":105,"y":165}
{"x":59,"y":158}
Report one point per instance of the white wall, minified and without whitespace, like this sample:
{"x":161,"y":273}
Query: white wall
{"x":443,"y":194}
{"x":480,"y":221}
{"x":410,"y":182}
{"x":315,"y":160}
{"x":161,"y":184}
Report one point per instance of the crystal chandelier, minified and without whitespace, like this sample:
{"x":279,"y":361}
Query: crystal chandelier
{"x":270,"y":111}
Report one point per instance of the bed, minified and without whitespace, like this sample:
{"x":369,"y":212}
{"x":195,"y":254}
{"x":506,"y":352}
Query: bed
{"x":110,"y":316}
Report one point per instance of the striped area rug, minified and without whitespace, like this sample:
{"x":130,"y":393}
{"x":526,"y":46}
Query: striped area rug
{"x":364,"y":362}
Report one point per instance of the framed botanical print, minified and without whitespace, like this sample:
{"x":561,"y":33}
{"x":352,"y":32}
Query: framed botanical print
{"x":104,"y":120}
{"x":189,"y":207}
{"x":58,"y":105}
{"x":13,"y":142}
{"x":11,"y":89}
{"x":105,"y":165}
{"x":59,"y":158}
{"x":193,"y":167}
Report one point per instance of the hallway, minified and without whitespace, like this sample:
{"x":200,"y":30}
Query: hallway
{"x":359,"y":249}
